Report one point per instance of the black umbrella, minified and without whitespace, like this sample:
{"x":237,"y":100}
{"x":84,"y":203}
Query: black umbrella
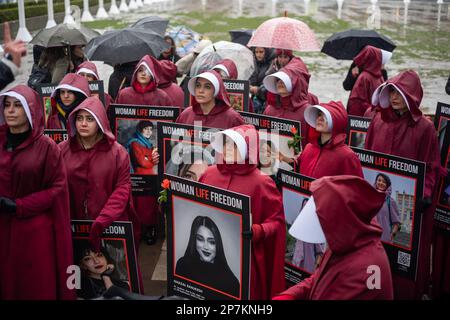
{"x":241,"y":36}
{"x":63,"y":35}
{"x":347,"y":44}
{"x":153,"y":23}
{"x":125,"y":45}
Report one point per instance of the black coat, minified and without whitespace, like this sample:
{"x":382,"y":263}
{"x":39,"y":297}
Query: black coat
{"x":349,"y":81}
{"x":258,"y":75}
{"x":6,"y":76}
{"x":115,"y":79}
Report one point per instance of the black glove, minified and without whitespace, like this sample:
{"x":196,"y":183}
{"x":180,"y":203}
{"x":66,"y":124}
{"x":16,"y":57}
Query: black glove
{"x":423,"y":204}
{"x":248,"y":235}
{"x":7,"y":205}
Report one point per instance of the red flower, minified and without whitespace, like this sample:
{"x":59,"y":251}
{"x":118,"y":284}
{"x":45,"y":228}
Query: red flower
{"x":165,"y":184}
{"x":294,"y":130}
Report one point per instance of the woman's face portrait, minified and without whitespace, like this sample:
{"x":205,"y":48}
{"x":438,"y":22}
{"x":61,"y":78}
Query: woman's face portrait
{"x":147,"y":132}
{"x":143,"y":76}
{"x":67,"y":96}
{"x":85,"y":124}
{"x":14,"y":113}
{"x":205,"y":244}
{"x":266,"y":157}
{"x":204,"y":90}
{"x":321,"y":123}
{"x":94,"y":263}
{"x":381,"y":184}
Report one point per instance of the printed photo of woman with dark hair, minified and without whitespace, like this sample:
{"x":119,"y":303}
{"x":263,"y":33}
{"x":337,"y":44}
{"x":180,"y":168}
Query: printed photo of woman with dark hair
{"x":143,"y":154}
{"x":388,"y":217}
{"x":98,"y":272}
{"x":189,"y":161}
{"x":204,"y":260}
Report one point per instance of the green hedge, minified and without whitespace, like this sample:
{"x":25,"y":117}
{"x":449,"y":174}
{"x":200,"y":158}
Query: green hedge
{"x":9,"y":12}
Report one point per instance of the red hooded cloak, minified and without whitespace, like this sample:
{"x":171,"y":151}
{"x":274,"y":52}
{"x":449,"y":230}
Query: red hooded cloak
{"x":269,"y":227}
{"x":36,"y":242}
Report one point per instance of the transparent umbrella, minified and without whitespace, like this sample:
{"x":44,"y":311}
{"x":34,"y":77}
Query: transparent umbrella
{"x":241,"y":56}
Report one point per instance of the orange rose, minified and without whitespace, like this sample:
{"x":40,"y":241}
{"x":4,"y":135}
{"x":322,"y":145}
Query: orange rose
{"x":294,"y":130}
{"x":165,"y":184}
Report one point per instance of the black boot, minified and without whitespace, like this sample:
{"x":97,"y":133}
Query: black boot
{"x":150,"y":235}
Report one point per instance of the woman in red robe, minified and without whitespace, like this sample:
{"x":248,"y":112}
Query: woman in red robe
{"x":144,"y":91}
{"x":400,"y":129}
{"x":328,"y":155}
{"x":343,"y":209}
{"x":35,"y":231}
{"x":370,"y":61}
{"x":98,"y":192}
{"x":211,"y":106}
{"x":290,"y":97}
{"x":240,"y":154}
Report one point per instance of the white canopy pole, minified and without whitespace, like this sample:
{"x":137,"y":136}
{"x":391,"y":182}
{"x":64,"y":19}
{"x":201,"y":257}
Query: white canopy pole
{"x":51,"y":17}
{"x":23,"y":33}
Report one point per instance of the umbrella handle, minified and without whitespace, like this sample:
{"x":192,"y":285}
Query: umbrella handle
{"x":121,"y":85}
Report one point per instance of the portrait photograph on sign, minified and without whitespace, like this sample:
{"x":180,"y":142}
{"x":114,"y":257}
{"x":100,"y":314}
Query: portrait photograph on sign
{"x":301,"y":258}
{"x":135,"y":128}
{"x":185,"y":150}
{"x":357,"y":131}
{"x":402,"y":181}
{"x":207,"y":256}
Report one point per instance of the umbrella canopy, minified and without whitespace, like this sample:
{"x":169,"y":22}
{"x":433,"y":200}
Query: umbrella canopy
{"x":185,"y":39}
{"x":347,"y":44}
{"x":241,"y":36}
{"x":284,"y":33}
{"x":63,"y":35}
{"x":125,"y":45}
{"x":152,"y":23}
{"x":239,"y":54}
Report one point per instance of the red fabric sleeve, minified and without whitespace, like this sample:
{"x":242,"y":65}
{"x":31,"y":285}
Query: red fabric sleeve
{"x":301,"y":290}
{"x":120,"y":198}
{"x":258,"y":232}
{"x":42,"y":201}
{"x":283,"y":297}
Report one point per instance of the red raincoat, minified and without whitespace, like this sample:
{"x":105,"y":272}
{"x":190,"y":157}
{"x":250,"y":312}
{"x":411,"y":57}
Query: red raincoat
{"x":292,"y":107}
{"x":269,"y":226}
{"x":335,"y":157}
{"x":72,"y":82}
{"x":36,"y":242}
{"x":97,"y":191}
{"x":369,"y":60}
{"x":411,"y":136}
{"x":231,"y":68}
{"x":146,"y":206}
{"x":168,"y":73}
{"x":354,"y":244}
{"x":221,"y":116}
{"x":150,"y":96}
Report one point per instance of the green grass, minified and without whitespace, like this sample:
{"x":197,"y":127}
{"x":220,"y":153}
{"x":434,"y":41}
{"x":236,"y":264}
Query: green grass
{"x":412,"y":43}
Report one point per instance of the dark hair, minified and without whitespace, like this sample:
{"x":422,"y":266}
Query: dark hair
{"x":81,"y":249}
{"x":385,"y":177}
{"x":191,"y":250}
{"x":143,"y":124}
{"x":172,"y":44}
